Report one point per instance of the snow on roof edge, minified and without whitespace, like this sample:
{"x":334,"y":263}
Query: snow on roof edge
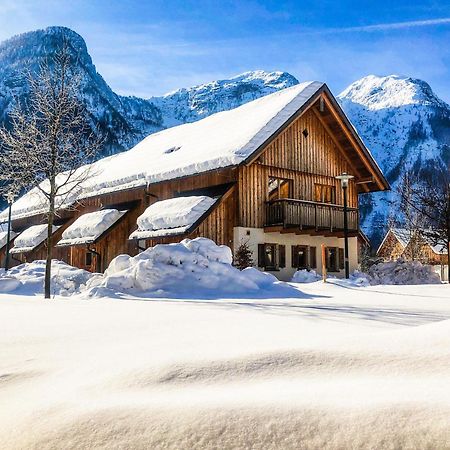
{"x":302,"y":93}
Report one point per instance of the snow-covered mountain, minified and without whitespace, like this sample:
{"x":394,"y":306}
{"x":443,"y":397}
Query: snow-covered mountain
{"x":191,"y":104}
{"x":405,"y":125}
{"x":401,"y":120}
{"x":124,"y":120}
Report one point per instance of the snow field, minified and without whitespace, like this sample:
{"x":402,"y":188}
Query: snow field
{"x":336,"y":366}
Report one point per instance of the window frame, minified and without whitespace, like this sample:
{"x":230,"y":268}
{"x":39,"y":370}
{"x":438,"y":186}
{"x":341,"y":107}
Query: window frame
{"x":279,"y":256}
{"x":320,"y":188}
{"x":88,"y":258}
{"x":270,"y":195}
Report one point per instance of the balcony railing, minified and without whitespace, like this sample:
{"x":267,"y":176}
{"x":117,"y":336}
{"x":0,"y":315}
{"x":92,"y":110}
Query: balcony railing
{"x":307,"y":215}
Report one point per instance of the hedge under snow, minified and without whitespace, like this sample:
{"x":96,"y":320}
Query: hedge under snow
{"x":28,"y":278}
{"x":402,"y":272}
{"x":392,"y":272}
{"x":192,"y":268}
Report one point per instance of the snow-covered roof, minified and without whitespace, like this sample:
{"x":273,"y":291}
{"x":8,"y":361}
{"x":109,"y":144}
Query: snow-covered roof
{"x":4,"y":237}
{"x":221,"y":140}
{"x":438,"y":248}
{"x":402,"y":234}
{"x":31,"y":238}
{"x":89,"y":227}
{"x":172,"y":217}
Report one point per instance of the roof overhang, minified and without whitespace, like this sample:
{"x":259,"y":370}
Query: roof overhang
{"x":91,"y":239}
{"x":40,"y":240}
{"x":183,"y":230}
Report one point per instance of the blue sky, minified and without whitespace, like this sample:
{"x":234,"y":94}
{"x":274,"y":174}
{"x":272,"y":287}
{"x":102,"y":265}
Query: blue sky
{"x":148,"y":48}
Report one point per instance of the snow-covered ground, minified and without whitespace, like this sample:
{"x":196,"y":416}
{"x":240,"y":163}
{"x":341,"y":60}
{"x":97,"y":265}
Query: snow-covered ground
{"x":334,"y":366}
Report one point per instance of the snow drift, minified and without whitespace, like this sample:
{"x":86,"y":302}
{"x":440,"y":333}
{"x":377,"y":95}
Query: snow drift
{"x":305,"y":276}
{"x":402,"y":272}
{"x":28,"y":278}
{"x":196,"y":267}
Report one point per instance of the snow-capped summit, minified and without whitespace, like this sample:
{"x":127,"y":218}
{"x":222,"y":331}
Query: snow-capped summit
{"x":191,"y":104}
{"x":406,"y":126}
{"x":375,"y":92}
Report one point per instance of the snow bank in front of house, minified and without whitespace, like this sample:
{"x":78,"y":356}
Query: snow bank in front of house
{"x":402,"y":272}
{"x":172,"y":216}
{"x":305,"y":276}
{"x":31,"y":238}
{"x":90,"y":226}
{"x":28,"y":278}
{"x":191,"y":268}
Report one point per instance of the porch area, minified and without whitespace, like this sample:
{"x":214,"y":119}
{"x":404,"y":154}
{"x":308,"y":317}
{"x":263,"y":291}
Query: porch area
{"x":303,"y":216}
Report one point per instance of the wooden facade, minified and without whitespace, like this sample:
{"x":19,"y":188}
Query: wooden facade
{"x":415,"y":248}
{"x":301,"y":159}
{"x":391,"y":248}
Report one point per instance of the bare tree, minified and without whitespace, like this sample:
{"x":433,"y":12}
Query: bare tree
{"x":49,"y":140}
{"x":428,"y":197}
{"x":407,"y":216}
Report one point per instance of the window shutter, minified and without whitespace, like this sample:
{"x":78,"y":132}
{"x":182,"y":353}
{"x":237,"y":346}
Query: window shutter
{"x":282,"y":256}
{"x":261,"y":255}
{"x":312,"y":257}
{"x":294,"y":255}
{"x":341,"y":259}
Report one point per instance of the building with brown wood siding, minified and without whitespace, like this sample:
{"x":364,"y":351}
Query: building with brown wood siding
{"x":414,"y":245}
{"x":263,"y":174}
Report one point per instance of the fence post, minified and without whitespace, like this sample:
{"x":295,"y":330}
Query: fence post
{"x":324,"y":264}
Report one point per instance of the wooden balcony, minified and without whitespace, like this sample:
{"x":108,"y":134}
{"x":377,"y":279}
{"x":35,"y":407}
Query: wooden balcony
{"x":302,"y":216}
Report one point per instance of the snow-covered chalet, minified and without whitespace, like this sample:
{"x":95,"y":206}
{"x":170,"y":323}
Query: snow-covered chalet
{"x":261,"y":174}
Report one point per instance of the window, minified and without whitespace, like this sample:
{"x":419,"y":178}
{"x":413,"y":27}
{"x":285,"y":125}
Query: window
{"x":279,"y":188}
{"x":334,"y":259}
{"x":300,"y":256}
{"x":325,"y":193}
{"x":271,"y":256}
{"x":303,"y":257}
{"x":88,"y":259}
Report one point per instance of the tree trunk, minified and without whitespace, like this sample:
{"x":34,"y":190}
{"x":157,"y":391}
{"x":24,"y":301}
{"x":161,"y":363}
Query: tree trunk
{"x":48,"y":265}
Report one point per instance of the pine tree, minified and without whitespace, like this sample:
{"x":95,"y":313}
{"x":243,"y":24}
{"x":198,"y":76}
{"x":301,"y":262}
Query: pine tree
{"x":243,"y":257}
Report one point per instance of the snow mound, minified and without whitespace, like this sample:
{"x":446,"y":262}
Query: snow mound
{"x":305,"y":276}
{"x":402,"y":272}
{"x":191,"y":268}
{"x":28,"y":278}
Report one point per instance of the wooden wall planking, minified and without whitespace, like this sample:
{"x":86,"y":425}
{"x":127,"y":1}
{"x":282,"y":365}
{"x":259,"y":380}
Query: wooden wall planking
{"x":304,"y":160}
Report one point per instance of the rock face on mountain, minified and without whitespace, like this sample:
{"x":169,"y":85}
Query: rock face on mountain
{"x":406,"y":126}
{"x":124,"y":121}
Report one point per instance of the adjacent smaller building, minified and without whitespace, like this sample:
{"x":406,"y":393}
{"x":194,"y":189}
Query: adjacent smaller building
{"x":411,"y":245}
